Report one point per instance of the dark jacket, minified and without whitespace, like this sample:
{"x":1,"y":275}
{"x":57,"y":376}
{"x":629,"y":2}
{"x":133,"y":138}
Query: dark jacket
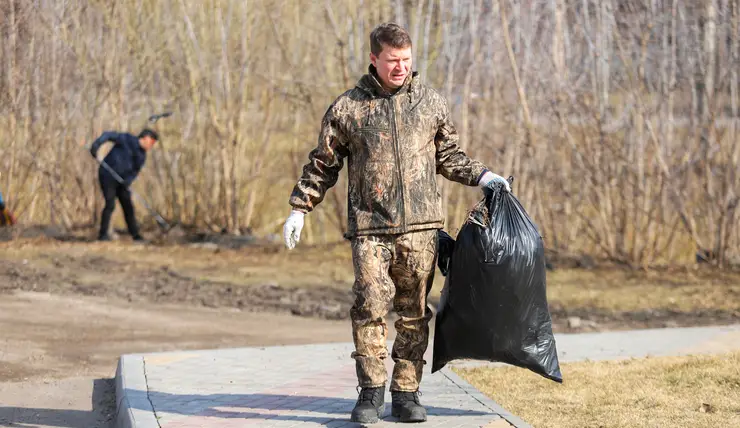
{"x":126,"y":157}
{"x":395,"y":145}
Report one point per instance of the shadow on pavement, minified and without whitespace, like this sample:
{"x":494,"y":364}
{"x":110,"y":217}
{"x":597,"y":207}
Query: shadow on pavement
{"x":275,"y":407}
{"x":101,"y":416}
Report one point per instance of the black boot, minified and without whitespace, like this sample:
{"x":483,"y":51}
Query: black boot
{"x":406,"y":407}
{"x":370,"y":405}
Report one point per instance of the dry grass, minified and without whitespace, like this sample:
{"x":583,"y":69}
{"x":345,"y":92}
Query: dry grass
{"x":694,"y":391}
{"x":327,"y":266}
{"x":618,"y":290}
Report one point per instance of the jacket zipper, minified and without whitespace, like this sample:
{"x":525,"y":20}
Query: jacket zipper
{"x":397,"y":150}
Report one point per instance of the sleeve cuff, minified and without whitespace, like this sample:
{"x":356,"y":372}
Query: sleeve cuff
{"x":481,"y":175}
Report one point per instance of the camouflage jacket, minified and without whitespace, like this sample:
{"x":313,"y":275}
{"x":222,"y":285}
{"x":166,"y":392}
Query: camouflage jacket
{"x":394,"y":144}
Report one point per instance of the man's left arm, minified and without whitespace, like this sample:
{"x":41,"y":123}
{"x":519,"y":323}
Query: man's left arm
{"x":453,"y":163}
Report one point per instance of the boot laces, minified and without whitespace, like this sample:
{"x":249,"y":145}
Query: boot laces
{"x":369,"y":394}
{"x":404,"y":397}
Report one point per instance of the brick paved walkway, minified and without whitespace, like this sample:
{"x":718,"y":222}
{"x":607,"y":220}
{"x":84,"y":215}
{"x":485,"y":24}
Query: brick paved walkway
{"x":287,"y":386}
{"x":314,"y":385}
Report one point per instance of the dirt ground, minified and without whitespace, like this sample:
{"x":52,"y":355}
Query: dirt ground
{"x":69,"y":307}
{"x":58,"y":353}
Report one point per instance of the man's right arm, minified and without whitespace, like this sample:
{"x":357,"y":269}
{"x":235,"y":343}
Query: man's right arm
{"x":105,"y":136}
{"x":325,"y":162}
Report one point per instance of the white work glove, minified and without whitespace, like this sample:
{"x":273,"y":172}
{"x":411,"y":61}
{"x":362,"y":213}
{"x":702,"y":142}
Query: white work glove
{"x":489,"y":179}
{"x":292,"y":229}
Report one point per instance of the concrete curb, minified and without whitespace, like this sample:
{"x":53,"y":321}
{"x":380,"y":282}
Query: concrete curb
{"x":483,"y":399}
{"x":133,"y":408}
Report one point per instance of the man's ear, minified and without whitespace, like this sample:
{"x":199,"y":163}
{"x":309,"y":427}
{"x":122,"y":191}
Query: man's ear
{"x":373,"y":59}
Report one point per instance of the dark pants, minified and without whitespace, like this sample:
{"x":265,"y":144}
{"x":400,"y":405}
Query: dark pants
{"x":112,"y":190}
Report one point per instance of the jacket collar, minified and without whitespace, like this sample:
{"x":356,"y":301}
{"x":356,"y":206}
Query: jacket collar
{"x":370,"y":83}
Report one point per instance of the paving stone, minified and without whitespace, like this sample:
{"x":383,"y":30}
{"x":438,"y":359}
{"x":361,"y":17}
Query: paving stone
{"x":290,"y":386}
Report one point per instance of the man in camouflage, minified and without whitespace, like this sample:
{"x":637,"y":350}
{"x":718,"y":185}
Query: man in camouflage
{"x":396,"y":134}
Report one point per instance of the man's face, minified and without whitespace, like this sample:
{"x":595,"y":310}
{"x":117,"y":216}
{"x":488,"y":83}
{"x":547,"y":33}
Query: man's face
{"x":393,"y":65}
{"x":147,"y":142}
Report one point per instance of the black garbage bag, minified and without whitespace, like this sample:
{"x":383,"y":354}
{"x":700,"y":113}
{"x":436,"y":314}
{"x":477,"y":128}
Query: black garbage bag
{"x":444,"y":251}
{"x":493,"y":305}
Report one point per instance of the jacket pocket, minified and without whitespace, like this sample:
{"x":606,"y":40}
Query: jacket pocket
{"x":423,"y":202}
{"x":381,"y":198}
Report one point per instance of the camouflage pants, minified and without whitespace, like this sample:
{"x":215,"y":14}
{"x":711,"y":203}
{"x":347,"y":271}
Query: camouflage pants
{"x":396,"y":269}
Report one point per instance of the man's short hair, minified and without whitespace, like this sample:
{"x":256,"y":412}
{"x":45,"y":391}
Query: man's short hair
{"x":388,"y":34}
{"x":146,"y":132}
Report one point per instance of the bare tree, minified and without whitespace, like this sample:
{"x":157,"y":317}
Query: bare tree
{"x":618,"y":119}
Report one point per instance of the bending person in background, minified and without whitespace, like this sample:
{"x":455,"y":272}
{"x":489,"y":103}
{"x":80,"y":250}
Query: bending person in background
{"x":126,"y":158}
